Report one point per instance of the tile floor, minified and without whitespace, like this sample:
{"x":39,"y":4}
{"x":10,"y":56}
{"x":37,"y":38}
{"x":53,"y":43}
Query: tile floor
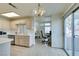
{"x":37,"y":50}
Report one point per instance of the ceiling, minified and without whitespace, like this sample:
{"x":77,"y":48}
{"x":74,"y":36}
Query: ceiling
{"x":26,"y":9}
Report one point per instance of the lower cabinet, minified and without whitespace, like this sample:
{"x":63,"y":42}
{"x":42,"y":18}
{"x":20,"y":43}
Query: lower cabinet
{"x":22,"y":40}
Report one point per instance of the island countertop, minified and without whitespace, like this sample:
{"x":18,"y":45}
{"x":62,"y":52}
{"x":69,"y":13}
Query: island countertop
{"x":5,"y":40}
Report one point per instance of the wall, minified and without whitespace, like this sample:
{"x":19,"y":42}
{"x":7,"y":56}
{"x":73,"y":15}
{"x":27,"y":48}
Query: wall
{"x":27,"y":21}
{"x":57,"y":32}
{"x":4,"y":24}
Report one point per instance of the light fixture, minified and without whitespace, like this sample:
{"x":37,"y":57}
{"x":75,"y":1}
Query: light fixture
{"x":39,"y":11}
{"x":10,"y":14}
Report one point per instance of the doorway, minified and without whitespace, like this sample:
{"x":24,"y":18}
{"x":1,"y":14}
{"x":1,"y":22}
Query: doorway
{"x":43,"y":31}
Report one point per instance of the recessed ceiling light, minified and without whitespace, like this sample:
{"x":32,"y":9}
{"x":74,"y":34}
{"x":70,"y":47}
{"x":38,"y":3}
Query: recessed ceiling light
{"x":10,"y":14}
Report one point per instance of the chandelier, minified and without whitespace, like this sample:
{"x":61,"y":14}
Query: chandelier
{"x":39,"y":11}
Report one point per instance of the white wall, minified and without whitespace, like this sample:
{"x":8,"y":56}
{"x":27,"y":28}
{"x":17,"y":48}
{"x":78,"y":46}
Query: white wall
{"x":57,"y":32}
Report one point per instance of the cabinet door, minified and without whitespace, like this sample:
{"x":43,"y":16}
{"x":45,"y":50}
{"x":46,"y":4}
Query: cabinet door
{"x":17,"y":40}
{"x":24,"y":41}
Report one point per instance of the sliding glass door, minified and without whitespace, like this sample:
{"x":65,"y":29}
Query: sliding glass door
{"x":68,"y":34}
{"x":71,"y":29}
{"x":76,"y":33}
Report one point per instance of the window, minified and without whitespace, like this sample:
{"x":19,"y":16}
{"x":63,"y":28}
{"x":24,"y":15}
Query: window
{"x":47,"y":24}
{"x":21,"y":28}
{"x":47,"y":29}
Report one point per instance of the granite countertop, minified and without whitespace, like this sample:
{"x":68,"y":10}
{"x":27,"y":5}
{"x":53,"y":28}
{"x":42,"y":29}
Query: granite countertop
{"x":5,"y":40}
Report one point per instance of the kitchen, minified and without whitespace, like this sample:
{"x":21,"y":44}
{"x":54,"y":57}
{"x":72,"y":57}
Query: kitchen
{"x":20,"y":32}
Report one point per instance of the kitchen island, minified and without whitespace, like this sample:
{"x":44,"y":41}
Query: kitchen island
{"x":5,"y":44}
{"x":25,"y":40}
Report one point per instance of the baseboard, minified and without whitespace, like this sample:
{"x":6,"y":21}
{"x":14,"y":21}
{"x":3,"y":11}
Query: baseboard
{"x":57,"y":47}
{"x":21,"y":46}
